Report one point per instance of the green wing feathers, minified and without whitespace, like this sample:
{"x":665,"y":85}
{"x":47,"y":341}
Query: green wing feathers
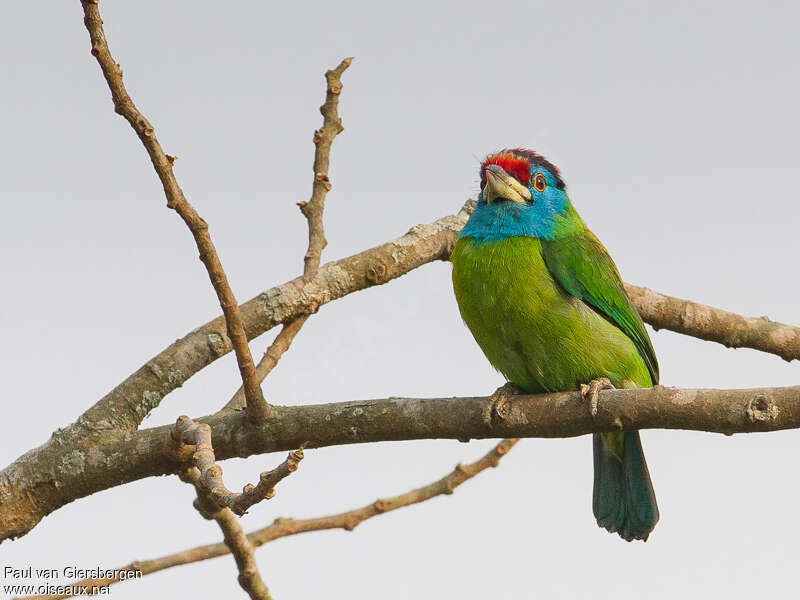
{"x":582,"y":266}
{"x":623,"y":498}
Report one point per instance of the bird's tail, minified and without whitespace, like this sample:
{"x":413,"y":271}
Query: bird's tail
{"x":623,"y":499}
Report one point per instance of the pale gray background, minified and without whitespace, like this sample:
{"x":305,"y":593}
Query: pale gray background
{"x":676,"y":129}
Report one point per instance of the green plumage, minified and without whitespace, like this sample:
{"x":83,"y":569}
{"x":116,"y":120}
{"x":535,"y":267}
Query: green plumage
{"x":531,"y":328}
{"x":551,"y":314}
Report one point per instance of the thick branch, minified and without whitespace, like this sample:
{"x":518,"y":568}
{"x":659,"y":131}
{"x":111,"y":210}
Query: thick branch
{"x":29,"y":493}
{"x":284,"y":527}
{"x":127,"y":405}
{"x":257,"y":408}
{"x":716,"y":325}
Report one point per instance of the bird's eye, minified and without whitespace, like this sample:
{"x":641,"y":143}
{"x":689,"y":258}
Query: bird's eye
{"x":539,"y":182}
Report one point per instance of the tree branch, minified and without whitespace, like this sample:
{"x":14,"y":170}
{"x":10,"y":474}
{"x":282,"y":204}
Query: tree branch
{"x":313,"y":211}
{"x":716,"y":325}
{"x":127,"y":405}
{"x":196,"y":437}
{"x":323,"y":139}
{"x":257,"y":408}
{"x":121,"y":411}
{"x":131,"y":401}
{"x":270,"y":359}
{"x":234,"y":537}
{"x":29,"y":494}
{"x":285,"y":527}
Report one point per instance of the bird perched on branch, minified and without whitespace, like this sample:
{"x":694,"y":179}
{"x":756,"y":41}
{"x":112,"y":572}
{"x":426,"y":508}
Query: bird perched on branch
{"x":546,"y":304}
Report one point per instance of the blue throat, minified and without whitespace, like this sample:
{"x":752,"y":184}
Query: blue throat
{"x":547,"y":218}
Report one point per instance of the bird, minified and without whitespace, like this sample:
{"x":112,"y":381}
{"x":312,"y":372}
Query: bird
{"x":547,"y":306}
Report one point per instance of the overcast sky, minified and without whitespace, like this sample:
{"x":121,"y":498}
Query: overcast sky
{"x":675,"y":126}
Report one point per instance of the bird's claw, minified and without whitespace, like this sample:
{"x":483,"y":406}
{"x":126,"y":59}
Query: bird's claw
{"x":591,"y":390}
{"x":498,"y":403}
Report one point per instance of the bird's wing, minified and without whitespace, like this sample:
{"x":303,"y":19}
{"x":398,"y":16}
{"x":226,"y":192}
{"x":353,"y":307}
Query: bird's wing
{"x":581,"y":264}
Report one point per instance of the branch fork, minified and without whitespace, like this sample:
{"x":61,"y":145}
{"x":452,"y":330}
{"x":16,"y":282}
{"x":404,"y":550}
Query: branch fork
{"x":282,"y":526}
{"x":206,"y":474}
{"x":257,"y":408}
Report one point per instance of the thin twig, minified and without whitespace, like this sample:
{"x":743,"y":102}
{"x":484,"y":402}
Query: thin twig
{"x":257,"y":408}
{"x":236,"y":541}
{"x":313,"y":211}
{"x":323,"y":139}
{"x":279,"y":345}
{"x":283,"y":527}
{"x":197,"y":436}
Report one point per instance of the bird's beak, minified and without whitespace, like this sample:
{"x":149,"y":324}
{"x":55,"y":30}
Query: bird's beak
{"x":502,"y":186}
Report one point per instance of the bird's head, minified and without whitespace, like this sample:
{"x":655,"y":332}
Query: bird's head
{"x":522,"y":193}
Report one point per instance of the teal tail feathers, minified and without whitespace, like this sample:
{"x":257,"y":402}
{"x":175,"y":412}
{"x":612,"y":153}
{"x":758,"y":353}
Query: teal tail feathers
{"x":623,"y":500}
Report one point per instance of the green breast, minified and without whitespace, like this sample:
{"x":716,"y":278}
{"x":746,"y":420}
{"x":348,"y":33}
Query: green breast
{"x":531,"y":330}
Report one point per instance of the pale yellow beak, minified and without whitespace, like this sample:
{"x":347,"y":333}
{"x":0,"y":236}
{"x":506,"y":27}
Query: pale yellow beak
{"x":502,"y":186}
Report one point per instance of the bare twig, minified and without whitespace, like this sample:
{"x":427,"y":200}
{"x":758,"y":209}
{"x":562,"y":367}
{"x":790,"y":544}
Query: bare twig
{"x":257,"y":408}
{"x":313,"y":211}
{"x":235,"y":539}
{"x":347,"y":520}
{"x":243,"y":551}
{"x":323,"y":139}
{"x":271,"y":357}
{"x":198,"y":437}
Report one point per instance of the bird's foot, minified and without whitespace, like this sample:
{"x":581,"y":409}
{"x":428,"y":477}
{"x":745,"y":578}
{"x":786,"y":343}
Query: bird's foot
{"x":591,"y":390}
{"x":498,"y":403}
